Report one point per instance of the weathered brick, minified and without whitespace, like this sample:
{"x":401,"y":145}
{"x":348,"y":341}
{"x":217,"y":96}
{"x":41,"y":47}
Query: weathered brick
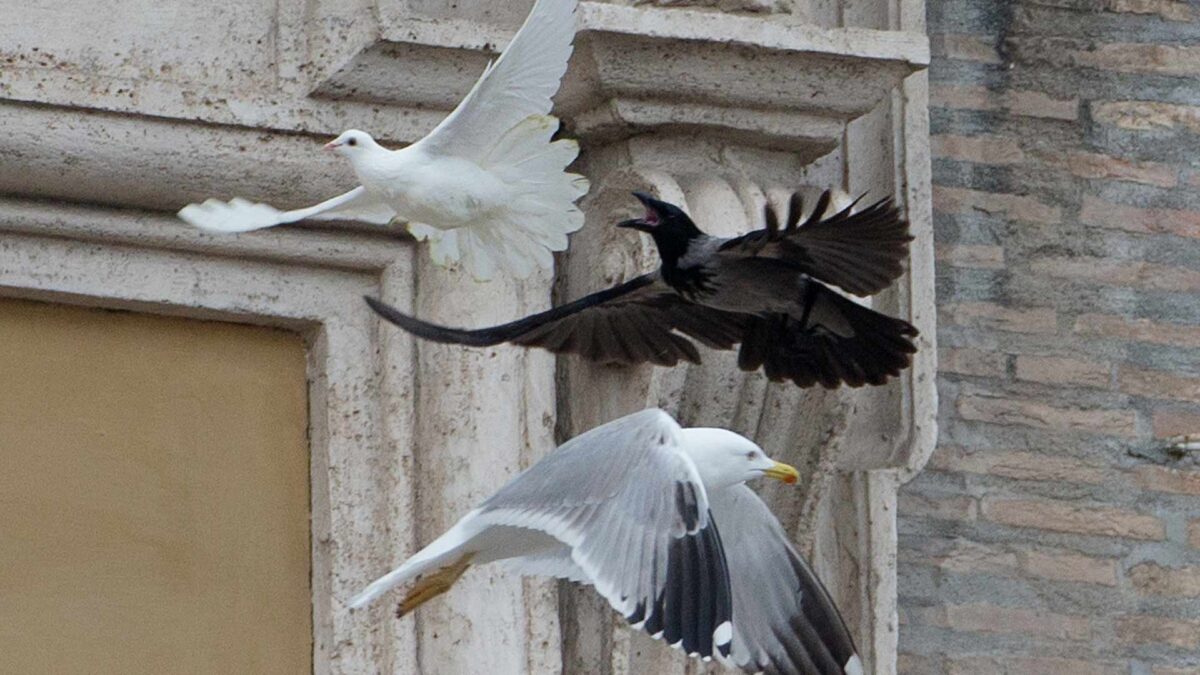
{"x":1172,"y":10}
{"x":984,"y":618}
{"x":1171,"y":670}
{"x":999,"y":317}
{"x":1147,"y":115}
{"x":965,"y":47}
{"x":951,"y":507}
{"x":1138,"y":330}
{"x":1066,"y":566}
{"x":1164,"y":479}
{"x":970,"y":256}
{"x":973,"y":362}
{"x":1159,"y":384}
{"x":1073,"y":517}
{"x":976,"y":665}
{"x":1139,"y":58}
{"x":1017,"y":207}
{"x":977,"y":149}
{"x":1010,"y":665}
{"x":1153,"y":579}
{"x":1096,"y":211}
{"x":1094,"y":165}
{"x":1169,"y":423}
{"x":970,"y":557}
{"x":1039,"y":415}
{"x":1063,"y":371}
{"x":1141,"y":629}
{"x":918,"y":663}
{"x":1018,"y":465}
{"x":1117,"y":273}
{"x":1039,"y":104}
{"x":1016,"y":102}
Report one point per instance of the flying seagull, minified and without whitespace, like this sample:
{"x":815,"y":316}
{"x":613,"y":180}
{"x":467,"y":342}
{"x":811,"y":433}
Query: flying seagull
{"x":668,"y":533}
{"x":765,"y":290}
{"x":487,"y":187}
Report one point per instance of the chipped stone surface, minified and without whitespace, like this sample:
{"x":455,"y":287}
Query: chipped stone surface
{"x":100,"y":147}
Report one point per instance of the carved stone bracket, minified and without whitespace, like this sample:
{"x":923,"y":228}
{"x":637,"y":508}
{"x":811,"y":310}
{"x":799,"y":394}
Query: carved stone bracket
{"x":767,"y":83}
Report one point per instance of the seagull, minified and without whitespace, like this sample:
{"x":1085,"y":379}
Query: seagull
{"x":765,"y":290}
{"x":668,"y":533}
{"x":487,"y":187}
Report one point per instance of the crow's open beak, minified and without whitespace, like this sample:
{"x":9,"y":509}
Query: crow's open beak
{"x":648,"y":222}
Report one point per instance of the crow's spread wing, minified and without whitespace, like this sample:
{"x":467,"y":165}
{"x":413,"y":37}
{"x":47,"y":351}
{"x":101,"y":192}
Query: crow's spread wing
{"x":639,"y":321}
{"x":861,"y":252}
{"x":836,"y":341}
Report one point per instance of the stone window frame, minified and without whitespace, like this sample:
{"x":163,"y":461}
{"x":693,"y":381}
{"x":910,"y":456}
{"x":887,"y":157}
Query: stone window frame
{"x":360,"y":436}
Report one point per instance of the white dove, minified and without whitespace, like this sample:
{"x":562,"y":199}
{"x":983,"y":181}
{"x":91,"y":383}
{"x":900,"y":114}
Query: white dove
{"x":487,"y":187}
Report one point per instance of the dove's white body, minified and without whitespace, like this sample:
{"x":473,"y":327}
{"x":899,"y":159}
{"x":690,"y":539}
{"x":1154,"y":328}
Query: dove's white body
{"x":444,"y":192}
{"x":487,"y":188}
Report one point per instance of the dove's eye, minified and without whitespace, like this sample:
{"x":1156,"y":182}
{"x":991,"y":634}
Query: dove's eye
{"x":352,"y":142}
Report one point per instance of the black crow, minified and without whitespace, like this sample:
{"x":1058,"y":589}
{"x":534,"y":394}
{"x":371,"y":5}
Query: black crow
{"x":764,"y":290}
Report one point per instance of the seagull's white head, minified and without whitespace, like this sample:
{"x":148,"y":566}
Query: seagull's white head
{"x":352,"y":143}
{"x":724,"y":458}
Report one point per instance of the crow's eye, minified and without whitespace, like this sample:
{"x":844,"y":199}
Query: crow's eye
{"x":352,"y":142}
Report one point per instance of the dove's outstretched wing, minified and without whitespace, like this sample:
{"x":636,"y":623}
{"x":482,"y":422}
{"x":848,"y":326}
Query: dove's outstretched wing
{"x":518,"y":85}
{"x":240,"y":215}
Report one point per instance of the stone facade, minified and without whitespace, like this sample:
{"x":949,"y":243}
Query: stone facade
{"x":114,"y":121}
{"x":1056,"y":527}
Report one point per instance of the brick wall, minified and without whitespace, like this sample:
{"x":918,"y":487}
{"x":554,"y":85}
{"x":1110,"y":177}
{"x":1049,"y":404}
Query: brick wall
{"x":1055,"y":531}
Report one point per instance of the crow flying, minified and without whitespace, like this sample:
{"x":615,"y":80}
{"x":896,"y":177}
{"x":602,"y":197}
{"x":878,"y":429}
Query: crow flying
{"x":764,"y":290}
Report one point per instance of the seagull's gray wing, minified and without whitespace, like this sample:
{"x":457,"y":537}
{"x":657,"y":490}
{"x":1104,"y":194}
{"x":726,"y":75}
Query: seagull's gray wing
{"x":630,"y":506}
{"x":860,"y":251}
{"x":784,"y":622}
{"x":635,"y":322}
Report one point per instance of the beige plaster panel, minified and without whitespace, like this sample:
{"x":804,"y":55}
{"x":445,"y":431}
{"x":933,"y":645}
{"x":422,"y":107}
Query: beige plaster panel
{"x":155,"y":487}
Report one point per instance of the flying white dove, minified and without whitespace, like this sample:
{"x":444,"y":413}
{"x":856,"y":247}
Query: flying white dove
{"x":487,"y":187}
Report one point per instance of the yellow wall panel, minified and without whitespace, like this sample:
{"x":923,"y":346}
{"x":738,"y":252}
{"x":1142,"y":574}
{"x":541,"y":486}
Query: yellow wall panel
{"x":154,"y":495}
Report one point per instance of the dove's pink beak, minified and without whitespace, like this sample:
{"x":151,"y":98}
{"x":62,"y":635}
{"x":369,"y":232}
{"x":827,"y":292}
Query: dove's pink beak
{"x":332,"y":145}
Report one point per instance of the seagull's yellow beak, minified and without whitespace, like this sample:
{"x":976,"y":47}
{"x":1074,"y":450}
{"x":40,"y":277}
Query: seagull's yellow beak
{"x":783,"y":472}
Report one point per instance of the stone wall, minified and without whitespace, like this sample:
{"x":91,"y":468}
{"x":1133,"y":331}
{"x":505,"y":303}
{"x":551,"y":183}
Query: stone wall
{"x":1056,"y":530}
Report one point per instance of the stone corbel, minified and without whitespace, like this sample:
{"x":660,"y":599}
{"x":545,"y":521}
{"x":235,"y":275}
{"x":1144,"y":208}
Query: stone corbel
{"x":721,"y":125}
{"x":764,"y":82}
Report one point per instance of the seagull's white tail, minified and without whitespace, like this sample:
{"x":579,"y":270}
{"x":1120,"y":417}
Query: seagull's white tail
{"x":444,"y":550}
{"x":540,"y":214}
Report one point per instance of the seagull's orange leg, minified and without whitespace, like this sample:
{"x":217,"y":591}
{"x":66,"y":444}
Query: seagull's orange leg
{"x":432,"y":585}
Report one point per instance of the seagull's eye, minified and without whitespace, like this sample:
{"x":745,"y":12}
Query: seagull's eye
{"x":751,"y":454}
{"x":352,"y":142}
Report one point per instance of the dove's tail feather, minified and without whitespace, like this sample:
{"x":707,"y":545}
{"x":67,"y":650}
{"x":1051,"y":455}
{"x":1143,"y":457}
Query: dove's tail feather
{"x":540,"y":213}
